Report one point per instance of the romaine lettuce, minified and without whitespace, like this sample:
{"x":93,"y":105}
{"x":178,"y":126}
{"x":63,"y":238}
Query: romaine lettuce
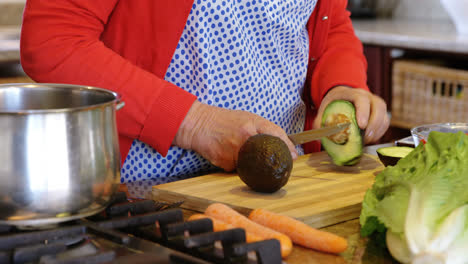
{"x":423,"y":202}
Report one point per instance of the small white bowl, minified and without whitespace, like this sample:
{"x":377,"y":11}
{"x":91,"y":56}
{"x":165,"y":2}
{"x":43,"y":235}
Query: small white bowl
{"x":420,"y":133}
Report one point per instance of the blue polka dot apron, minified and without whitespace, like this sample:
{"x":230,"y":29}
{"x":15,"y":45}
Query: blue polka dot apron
{"x":247,"y":55}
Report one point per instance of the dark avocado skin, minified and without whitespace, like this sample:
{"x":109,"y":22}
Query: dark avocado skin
{"x":264,"y":163}
{"x":389,"y":156}
{"x":387,"y":160}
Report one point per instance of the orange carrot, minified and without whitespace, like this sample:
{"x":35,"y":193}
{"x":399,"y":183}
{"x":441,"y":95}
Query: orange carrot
{"x":299,"y":232}
{"x":219,"y":225}
{"x":231,"y":216}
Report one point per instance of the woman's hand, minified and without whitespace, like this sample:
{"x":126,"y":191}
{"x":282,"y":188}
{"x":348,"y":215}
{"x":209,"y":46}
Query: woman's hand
{"x":371,"y":110}
{"x":217,"y":134}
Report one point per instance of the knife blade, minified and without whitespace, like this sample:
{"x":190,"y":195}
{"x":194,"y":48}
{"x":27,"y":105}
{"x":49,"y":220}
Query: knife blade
{"x":314,"y":134}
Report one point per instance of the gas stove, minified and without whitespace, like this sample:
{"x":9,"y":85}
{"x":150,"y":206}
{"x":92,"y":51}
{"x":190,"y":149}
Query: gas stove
{"x":134,"y":231}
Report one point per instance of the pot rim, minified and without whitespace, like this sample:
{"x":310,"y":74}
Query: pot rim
{"x":116,"y":100}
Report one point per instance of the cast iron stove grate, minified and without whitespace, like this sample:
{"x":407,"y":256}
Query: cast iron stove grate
{"x":134,"y":232}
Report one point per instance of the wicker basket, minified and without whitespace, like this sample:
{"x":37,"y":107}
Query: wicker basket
{"x":424,"y":93}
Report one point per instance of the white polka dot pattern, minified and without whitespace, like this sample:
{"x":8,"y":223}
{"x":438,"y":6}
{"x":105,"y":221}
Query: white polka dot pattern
{"x":237,"y":54}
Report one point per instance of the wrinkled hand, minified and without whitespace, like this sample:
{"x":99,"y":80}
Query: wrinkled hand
{"x":371,"y":111}
{"x":217,"y":134}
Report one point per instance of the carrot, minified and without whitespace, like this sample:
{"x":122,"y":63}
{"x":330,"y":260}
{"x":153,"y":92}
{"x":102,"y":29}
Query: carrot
{"x":299,"y":232}
{"x":231,"y":216}
{"x":219,"y":225}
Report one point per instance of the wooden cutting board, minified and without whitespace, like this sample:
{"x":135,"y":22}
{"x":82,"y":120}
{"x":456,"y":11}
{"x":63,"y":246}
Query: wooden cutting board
{"x":318,"y":192}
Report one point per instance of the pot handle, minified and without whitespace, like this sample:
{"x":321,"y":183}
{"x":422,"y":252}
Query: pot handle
{"x":119,"y":105}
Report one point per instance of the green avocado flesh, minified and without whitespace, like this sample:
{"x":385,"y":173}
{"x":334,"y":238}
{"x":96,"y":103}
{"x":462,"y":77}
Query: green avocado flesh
{"x":264,"y":163}
{"x":389,"y":156}
{"x":344,"y":148}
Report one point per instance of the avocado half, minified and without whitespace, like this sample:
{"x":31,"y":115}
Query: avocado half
{"x":264,"y":163}
{"x":389,"y":156}
{"x":344,"y":148}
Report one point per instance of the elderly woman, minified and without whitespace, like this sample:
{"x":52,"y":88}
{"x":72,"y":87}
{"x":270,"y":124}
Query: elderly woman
{"x":201,"y":76}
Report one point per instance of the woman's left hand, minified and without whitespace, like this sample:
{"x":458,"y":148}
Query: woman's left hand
{"x":371,"y":111}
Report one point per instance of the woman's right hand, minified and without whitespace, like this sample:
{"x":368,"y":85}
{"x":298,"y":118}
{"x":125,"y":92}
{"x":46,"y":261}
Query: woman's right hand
{"x":217,"y":133}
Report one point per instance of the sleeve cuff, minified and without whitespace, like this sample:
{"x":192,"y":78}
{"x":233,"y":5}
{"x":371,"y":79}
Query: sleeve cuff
{"x":335,"y":73}
{"x":166,"y":115}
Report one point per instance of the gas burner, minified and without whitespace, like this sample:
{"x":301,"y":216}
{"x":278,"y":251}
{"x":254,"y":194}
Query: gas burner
{"x":134,"y":232}
{"x":37,"y":227}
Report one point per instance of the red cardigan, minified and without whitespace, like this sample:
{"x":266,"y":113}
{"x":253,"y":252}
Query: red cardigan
{"x":126,"y":46}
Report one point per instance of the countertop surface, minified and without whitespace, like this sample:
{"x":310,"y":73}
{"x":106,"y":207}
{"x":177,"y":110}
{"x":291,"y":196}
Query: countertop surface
{"x":360,"y":250}
{"x":432,"y":35}
{"x":9,"y":43}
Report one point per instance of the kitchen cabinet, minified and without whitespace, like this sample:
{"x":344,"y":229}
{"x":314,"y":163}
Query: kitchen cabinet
{"x":379,"y":70}
{"x":13,"y":73}
{"x":10,"y":68}
{"x":9,"y":44}
{"x":379,"y":80}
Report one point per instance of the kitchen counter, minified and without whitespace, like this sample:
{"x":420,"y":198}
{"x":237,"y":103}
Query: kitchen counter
{"x":9,"y":44}
{"x":360,"y":250}
{"x":430,"y":35}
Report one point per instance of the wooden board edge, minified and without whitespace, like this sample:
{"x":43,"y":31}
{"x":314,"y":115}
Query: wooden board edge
{"x":335,"y":216}
{"x":191,"y":202}
{"x":320,"y":220}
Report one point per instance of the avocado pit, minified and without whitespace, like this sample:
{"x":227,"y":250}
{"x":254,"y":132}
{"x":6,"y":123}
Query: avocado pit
{"x":342,"y":137}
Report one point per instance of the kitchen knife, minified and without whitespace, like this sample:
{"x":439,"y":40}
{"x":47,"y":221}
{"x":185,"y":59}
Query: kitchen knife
{"x":314,"y":134}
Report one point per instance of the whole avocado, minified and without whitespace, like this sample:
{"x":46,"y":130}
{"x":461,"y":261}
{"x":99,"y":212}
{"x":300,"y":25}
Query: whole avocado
{"x":264,"y":163}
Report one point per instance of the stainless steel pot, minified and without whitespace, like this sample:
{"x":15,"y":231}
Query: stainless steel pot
{"x":59,"y":152}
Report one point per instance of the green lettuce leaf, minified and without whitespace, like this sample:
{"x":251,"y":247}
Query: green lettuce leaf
{"x":434,"y":177}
